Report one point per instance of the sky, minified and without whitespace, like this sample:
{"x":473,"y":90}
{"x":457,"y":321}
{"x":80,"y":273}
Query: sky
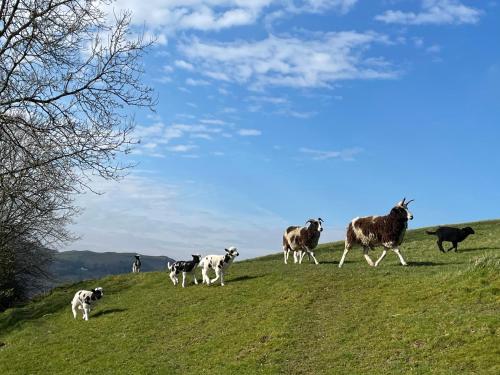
{"x":271,"y":112}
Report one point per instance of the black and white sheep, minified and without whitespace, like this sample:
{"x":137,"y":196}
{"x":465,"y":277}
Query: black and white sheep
{"x":136,"y":265}
{"x":185,"y":267}
{"x":302,"y":240}
{"x":84,"y":299}
{"x":387,"y":231}
{"x":219,"y":263}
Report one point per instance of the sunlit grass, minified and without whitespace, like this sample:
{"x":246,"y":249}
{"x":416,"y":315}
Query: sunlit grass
{"x":440,"y":315}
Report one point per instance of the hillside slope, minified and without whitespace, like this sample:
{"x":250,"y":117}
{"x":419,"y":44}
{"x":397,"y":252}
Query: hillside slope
{"x":440,"y":315}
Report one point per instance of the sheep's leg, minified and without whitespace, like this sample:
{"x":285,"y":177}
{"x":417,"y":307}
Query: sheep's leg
{"x":311,"y":254}
{"x":183,"y":279}
{"x":367,"y":257}
{"x":206,"y":279}
{"x":440,"y":245}
{"x":217,"y":275}
{"x":194,"y":278}
{"x":346,"y":250}
{"x":222,"y":278}
{"x":302,"y":254}
{"x":286,"y":253}
{"x":172,"y":277}
{"x":384,"y":252}
{"x":296,"y":257}
{"x":398,"y":253}
{"x":73,"y":308}
{"x":454,"y":246}
{"x":86,"y":309}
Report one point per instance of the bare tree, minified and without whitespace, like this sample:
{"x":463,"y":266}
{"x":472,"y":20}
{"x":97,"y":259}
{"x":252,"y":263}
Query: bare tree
{"x":68,"y":74}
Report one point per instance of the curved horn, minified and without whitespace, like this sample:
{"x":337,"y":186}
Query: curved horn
{"x":407,"y":203}
{"x":310,"y":221}
{"x":320,"y":219}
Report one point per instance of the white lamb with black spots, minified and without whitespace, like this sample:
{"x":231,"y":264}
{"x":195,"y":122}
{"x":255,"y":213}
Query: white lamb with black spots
{"x":219,"y":263}
{"x":84,"y":299}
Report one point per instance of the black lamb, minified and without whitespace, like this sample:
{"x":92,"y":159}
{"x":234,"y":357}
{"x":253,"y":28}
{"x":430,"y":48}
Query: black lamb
{"x":450,"y":234}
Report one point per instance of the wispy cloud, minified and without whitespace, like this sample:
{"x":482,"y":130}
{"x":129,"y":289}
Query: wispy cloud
{"x":196,"y":82}
{"x":156,"y":139}
{"x":249,"y":132}
{"x":312,"y":61}
{"x":164,"y":18}
{"x":182,"y":148}
{"x":183,"y":65}
{"x":135,"y":214}
{"x":346,"y":154}
{"x":434,"y":12}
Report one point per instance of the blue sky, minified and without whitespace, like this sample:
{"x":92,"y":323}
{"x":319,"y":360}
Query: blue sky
{"x":271,"y":112}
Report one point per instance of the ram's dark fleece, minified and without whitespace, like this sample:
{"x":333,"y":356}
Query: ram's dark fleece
{"x":387,"y":231}
{"x":450,"y":234}
{"x":302,"y":240}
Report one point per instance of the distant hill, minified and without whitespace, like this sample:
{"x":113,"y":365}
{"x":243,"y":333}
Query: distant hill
{"x":71,"y":266}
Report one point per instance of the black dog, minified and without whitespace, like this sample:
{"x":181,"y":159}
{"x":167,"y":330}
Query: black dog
{"x":185,"y":267}
{"x":453,"y":235}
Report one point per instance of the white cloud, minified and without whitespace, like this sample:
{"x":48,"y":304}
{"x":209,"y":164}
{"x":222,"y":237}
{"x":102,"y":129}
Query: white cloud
{"x":183,"y":65}
{"x":434,"y":12}
{"x":249,"y":132}
{"x":165,"y":17}
{"x":346,"y":154}
{"x":435,"y":48}
{"x":196,"y":82}
{"x":145,"y":214}
{"x":290,"y":61}
{"x":213,"y":122}
{"x":269,"y":99}
{"x":182,"y":148}
{"x":155,"y":137}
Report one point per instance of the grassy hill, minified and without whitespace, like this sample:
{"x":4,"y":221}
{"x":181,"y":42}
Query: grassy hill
{"x":440,"y":315}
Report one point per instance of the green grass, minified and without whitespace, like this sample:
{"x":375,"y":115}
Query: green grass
{"x":440,"y":315}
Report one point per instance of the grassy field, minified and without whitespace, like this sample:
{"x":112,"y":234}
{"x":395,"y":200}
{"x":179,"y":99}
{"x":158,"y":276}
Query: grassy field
{"x":439,"y":315}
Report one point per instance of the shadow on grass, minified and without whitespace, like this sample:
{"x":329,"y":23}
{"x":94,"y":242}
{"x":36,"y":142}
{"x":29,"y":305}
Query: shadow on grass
{"x":476,"y":249}
{"x":244,"y":278}
{"x":428,"y":264}
{"x":107,"y":311}
{"x":332,"y":262}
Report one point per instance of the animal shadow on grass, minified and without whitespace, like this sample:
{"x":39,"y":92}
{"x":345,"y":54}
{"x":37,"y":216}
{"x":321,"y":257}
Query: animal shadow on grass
{"x":427,"y":264}
{"x":106,"y":312}
{"x":477,"y":249}
{"x":244,"y":278}
{"x":331,"y":262}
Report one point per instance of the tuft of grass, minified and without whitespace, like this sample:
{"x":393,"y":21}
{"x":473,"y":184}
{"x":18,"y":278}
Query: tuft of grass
{"x":439,"y":315}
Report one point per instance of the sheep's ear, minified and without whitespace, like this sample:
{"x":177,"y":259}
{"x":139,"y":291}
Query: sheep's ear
{"x":227,"y":250}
